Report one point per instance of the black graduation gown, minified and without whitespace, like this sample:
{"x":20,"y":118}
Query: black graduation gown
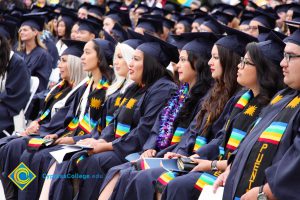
{"x":279,"y":181}
{"x":16,"y":94}
{"x":144,"y":116}
{"x":39,"y":161}
{"x":39,"y":62}
{"x":140,"y":185}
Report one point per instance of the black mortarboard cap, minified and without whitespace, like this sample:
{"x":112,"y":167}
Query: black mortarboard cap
{"x":180,"y":40}
{"x":68,"y":17}
{"x":232,"y":10}
{"x":158,"y":11}
{"x":114,"y":5}
{"x":85,"y":5}
{"x":120,"y":16}
{"x":235,"y":40}
{"x":134,"y":39}
{"x":150,"y":25}
{"x":98,"y":10}
{"x":106,"y":47}
{"x":223,"y":17}
{"x":293,"y":25}
{"x":214,"y":25}
{"x":264,"y":33}
{"x":172,"y":7}
{"x":272,"y":48}
{"x":266,"y":19}
{"x":200,"y":17}
{"x":282,"y":8}
{"x":91,"y":24}
{"x":294,"y":7}
{"x":166,"y":22}
{"x":296,"y":16}
{"x":143,"y":7}
{"x":33,"y":21}
{"x":8,"y":29}
{"x":247,"y":17}
{"x":46,"y":15}
{"x":75,"y":47}
{"x":162,"y":51}
{"x":186,"y":20}
{"x":202,"y":43}
{"x":119,"y":33}
{"x":12,"y":19}
{"x":295,"y":36}
{"x":18,"y":12}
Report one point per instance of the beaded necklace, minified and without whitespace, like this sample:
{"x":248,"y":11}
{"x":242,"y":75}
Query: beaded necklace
{"x":169,"y":115}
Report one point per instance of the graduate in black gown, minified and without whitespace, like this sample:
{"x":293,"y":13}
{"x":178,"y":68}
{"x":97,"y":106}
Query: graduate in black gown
{"x":72,"y":75}
{"x":251,"y":75}
{"x":266,"y":163}
{"x":122,"y":58}
{"x":132,"y":122}
{"x":88,"y":29}
{"x":82,"y":116}
{"x":56,"y":105}
{"x":13,"y":74}
{"x":34,"y":53}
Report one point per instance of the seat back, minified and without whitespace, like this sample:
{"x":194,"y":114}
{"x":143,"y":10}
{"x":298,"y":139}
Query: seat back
{"x":19,"y":120}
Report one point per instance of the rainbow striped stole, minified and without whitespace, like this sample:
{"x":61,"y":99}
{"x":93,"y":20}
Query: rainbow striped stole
{"x":87,"y":124}
{"x":108,"y":119}
{"x":273,"y":133}
{"x":73,"y":124}
{"x":221,"y":151}
{"x":200,"y":142}
{"x":144,"y":165}
{"x":166,"y":177}
{"x":177,"y":135}
{"x":44,"y":115}
{"x":121,"y":129}
{"x":205,"y":179}
{"x":82,"y":157}
{"x":102,"y":84}
{"x":235,"y":138}
{"x":267,"y":145}
{"x":244,"y":99}
{"x":35,"y":142}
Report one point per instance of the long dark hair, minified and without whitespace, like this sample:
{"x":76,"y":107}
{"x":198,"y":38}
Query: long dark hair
{"x":68,"y":28}
{"x":153,"y":70}
{"x":4,"y":55}
{"x":103,"y":63}
{"x":223,"y":89}
{"x":203,"y":83}
{"x":269,"y":74}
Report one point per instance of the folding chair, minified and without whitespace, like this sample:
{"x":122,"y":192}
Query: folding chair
{"x":19,"y":120}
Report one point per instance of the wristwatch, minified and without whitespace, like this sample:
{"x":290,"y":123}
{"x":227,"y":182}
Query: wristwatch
{"x":261,"y":195}
{"x":214,"y":166}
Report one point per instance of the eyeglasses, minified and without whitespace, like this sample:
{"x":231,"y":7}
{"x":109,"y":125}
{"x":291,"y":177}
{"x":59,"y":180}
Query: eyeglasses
{"x":245,"y":62}
{"x":288,"y":56}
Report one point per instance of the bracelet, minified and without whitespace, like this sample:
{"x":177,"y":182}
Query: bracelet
{"x":214,"y":166}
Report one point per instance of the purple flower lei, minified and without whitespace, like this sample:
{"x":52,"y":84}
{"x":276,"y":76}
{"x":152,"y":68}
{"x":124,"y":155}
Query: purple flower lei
{"x":168,"y":116}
